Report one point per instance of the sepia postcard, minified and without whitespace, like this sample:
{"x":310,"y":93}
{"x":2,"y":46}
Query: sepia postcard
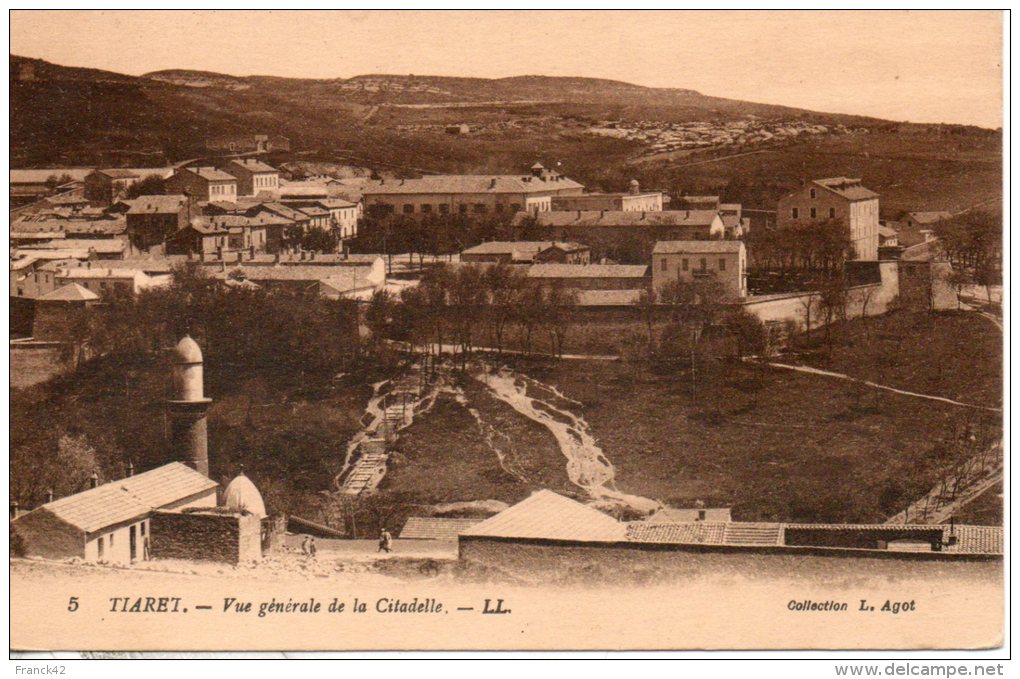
{"x":506,"y":331}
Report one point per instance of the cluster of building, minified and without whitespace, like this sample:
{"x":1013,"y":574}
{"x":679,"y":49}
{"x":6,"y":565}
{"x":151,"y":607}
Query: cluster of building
{"x":662,"y":136}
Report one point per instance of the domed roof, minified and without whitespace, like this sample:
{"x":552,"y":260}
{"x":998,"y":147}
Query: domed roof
{"x":241,"y":494}
{"x":634,"y":182}
{"x":187,"y":351}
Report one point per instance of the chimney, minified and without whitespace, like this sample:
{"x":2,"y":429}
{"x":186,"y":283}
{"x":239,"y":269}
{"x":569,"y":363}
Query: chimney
{"x":130,"y":469}
{"x":14,"y":509}
{"x":49,"y":496}
{"x":94,"y":480}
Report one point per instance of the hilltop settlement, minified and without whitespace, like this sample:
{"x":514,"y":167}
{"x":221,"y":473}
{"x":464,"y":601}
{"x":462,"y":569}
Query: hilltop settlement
{"x":223,"y":358}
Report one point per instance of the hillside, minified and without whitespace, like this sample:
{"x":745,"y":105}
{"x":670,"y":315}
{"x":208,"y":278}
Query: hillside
{"x":601,"y":132}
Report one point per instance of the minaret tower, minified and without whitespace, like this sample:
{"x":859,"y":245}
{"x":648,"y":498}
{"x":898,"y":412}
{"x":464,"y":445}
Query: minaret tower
{"x":188,"y":407}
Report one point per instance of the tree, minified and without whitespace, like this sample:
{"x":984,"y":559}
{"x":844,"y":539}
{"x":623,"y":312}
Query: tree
{"x":151,"y":185}
{"x":558,"y":313}
{"x":317,"y":239}
{"x":66,"y":472}
{"x":505,"y":285}
{"x":748,"y":332}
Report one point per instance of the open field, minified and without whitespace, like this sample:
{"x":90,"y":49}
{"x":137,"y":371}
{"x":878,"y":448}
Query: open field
{"x":774,"y":445}
{"x":923,"y":171}
{"x":954,"y":355}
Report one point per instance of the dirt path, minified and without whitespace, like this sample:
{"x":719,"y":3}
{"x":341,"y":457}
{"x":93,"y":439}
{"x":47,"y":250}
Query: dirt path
{"x":841,"y":376}
{"x":587,"y":465}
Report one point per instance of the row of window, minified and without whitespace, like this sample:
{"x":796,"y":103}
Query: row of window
{"x":222,"y":190}
{"x":463,"y":208}
{"x":795,"y":212}
{"x":685,"y":264}
{"x":265,"y":182}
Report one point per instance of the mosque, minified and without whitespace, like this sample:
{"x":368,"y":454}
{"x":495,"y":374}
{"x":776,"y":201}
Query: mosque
{"x":172,"y":511}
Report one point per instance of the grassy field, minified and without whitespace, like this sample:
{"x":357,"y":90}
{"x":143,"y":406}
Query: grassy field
{"x":447,"y":456}
{"x":954,"y":355}
{"x":911,"y":171}
{"x":773,"y":444}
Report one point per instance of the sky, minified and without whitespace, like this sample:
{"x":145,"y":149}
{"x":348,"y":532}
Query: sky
{"x":922,"y":66}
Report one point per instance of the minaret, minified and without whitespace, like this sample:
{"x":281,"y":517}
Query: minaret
{"x":188,"y":407}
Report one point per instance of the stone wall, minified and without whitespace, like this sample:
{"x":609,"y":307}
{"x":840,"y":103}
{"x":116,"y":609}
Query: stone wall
{"x":206,"y":536}
{"x":619,"y":560}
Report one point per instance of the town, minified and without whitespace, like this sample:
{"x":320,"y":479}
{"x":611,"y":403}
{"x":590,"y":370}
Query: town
{"x":271,"y":354}
{"x":437,"y":271}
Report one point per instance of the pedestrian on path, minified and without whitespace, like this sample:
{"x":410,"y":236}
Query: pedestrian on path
{"x":311,"y":548}
{"x":304,"y":545}
{"x":385,"y":541}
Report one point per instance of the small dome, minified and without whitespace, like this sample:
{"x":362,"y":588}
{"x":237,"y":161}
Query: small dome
{"x":187,"y":351}
{"x":241,"y":494}
{"x":634,"y":182}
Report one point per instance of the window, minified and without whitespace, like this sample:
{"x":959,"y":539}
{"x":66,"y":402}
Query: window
{"x":832,"y":213}
{"x":812,"y":193}
{"x":481,"y":208}
{"x":665,"y":264}
{"x":408,"y":209}
{"x":101,"y":550}
{"x":722,"y":265}
{"x":111,"y":540}
{"x":704,"y":264}
{"x":795,"y":213}
{"x":143,"y":528}
{"x":463,"y":208}
{"x":814,"y":213}
{"x":684,"y":264}
{"x":500,"y":207}
{"x":515,"y":207}
{"x":426,"y":208}
{"x":444,"y":209}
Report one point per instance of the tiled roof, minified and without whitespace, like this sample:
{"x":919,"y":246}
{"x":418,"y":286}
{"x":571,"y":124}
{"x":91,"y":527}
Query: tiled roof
{"x":704,"y":532}
{"x":314,"y":211}
{"x":254,"y":165}
{"x":129,"y":498}
{"x":212,"y":174}
{"x":676,"y":247}
{"x":282,"y":210}
{"x":435,"y":528}
{"x":70,"y":293}
{"x":335,"y":203}
{"x":522,"y":246}
{"x":342,"y":275}
{"x":169,"y":204}
{"x":846,"y":187}
{"x":929,"y":217}
{"x":455,"y":183}
{"x":546,"y":515}
{"x":101,"y":245}
{"x":975,"y":539}
{"x":585,"y":218}
{"x":110,"y":227}
{"x":587,"y":271}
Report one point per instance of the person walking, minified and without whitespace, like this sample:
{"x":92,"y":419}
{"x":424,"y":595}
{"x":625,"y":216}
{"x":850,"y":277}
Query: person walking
{"x":304,"y":545}
{"x":385,"y":541}
{"x":311,"y":548}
